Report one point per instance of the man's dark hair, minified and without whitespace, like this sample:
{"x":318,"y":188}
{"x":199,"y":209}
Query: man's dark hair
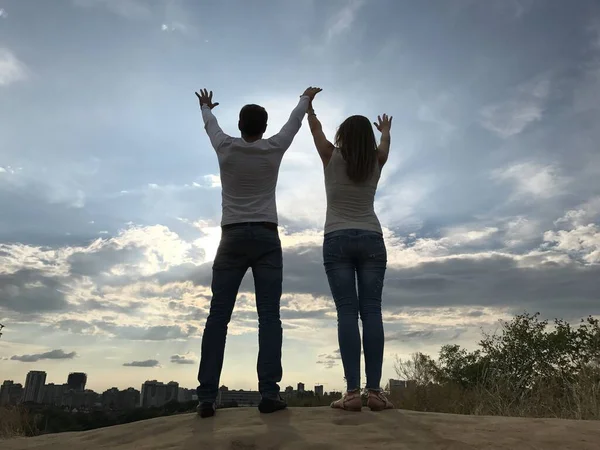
{"x":253,"y":120}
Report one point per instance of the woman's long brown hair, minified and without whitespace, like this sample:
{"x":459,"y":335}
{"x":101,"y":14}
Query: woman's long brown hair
{"x":356,"y":141}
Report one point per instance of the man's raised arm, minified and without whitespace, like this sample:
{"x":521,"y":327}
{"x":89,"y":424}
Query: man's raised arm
{"x":211,"y":125}
{"x":286,"y":135}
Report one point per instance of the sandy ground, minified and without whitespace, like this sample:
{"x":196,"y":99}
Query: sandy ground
{"x":324,"y":428}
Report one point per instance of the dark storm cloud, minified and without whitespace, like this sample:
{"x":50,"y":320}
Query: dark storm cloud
{"x":330,"y":360}
{"x":54,"y":354}
{"x":152,"y":333}
{"x":29,"y":217}
{"x":127,"y":332}
{"x":562,"y":291}
{"x":29,"y":291}
{"x":125,"y":308}
{"x":98,"y":262}
{"x":74,"y":325}
{"x":496,"y":281}
{"x":559,"y":290}
{"x":146,"y":363}
{"x":436,"y":333}
{"x":182,"y":359}
{"x":331,"y":356}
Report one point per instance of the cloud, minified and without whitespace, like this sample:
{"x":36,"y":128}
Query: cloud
{"x":518,"y":7}
{"x":524,"y":106}
{"x":583,"y":241}
{"x":532,"y":179}
{"x":330,"y":360}
{"x":174,"y":27}
{"x":75,"y":326}
{"x":142,"y":284}
{"x":146,"y":363}
{"x":331,"y":356}
{"x":328,"y":364}
{"x":129,"y":9}
{"x":435,"y":333}
{"x":31,"y":291}
{"x":212,"y":180}
{"x":143,"y":333}
{"x":584,"y":214}
{"x":3,"y":13}
{"x":11,"y":69}
{"x":344,"y":18}
{"x":54,"y":354}
{"x":183,"y":359}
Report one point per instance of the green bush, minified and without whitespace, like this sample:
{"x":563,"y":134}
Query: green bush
{"x":528,"y":368}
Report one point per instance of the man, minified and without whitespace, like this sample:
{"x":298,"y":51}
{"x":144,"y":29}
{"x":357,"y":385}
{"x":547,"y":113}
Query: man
{"x":249,"y":167}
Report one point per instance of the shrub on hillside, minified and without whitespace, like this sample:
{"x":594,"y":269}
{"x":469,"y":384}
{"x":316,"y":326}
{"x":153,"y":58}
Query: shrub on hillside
{"x":15,"y":421}
{"x":526,"y":369}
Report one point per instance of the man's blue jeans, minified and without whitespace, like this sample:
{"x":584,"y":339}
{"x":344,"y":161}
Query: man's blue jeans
{"x":352,"y":256}
{"x":243,"y":246}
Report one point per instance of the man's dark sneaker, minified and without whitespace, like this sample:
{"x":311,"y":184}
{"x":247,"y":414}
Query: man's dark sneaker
{"x":206,"y":409}
{"x":270,"y":405}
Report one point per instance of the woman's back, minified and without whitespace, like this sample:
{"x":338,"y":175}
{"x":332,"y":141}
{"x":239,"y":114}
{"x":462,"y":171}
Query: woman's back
{"x":350,"y":205}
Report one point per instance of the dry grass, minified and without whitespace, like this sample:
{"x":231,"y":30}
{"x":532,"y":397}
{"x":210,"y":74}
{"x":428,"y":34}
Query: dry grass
{"x":577,"y":398}
{"x":14,"y":422}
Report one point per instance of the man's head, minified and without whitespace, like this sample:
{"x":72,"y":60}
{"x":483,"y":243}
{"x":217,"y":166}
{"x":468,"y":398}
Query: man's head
{"x":253,"y":121}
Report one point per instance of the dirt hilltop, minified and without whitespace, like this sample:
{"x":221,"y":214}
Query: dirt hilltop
{"x":323,"y":429}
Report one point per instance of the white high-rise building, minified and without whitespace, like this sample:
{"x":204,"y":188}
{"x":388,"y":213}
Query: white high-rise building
{"x":34,"y":387}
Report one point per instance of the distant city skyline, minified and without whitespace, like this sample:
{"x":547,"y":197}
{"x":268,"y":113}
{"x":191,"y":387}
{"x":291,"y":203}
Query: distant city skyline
{"x":40,"y":378}
{"x":99,"y":386}
{"x":152,"y":394}
{"x":110,"y":198}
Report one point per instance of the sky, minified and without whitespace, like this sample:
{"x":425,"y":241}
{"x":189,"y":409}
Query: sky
{"x":110,"y":193}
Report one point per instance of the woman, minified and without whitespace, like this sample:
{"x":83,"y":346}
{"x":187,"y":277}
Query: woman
{"x":354,"y":250}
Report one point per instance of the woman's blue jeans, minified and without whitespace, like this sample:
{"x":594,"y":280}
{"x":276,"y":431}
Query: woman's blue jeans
{"x":355,"y":262}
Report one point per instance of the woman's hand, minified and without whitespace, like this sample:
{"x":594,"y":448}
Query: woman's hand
{"x":310,"y":92}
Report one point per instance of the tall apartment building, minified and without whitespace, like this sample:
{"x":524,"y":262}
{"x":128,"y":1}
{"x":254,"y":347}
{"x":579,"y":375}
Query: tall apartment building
{"x":77,"y":381}
{"x":120,"y":400}
{"x":34,"y":387}
{"x":300,"y":387}
{"x":319,"y":391}
{"x":54,"y":394}
{"x":186,"y":395}
{"x":82,"y":400}
{"x":172,"y":391}
{"x":227,"y":397}
{"x":11,"y":393}
{"x":155,"y":393}
{"x":396,"y":386}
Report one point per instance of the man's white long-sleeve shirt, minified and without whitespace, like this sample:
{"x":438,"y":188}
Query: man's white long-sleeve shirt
{"x":249,"y":170}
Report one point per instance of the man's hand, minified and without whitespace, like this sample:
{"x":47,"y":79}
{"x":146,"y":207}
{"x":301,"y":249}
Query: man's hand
{"x":205,"y":98}
{"x":384,"y":123}
{"x":311,"y":92}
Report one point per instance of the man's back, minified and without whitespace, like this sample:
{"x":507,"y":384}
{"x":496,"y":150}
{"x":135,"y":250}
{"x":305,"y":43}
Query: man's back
{"x":249,"y":170}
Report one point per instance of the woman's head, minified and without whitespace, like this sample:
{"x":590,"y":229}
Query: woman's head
{"x":356,"y":141}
